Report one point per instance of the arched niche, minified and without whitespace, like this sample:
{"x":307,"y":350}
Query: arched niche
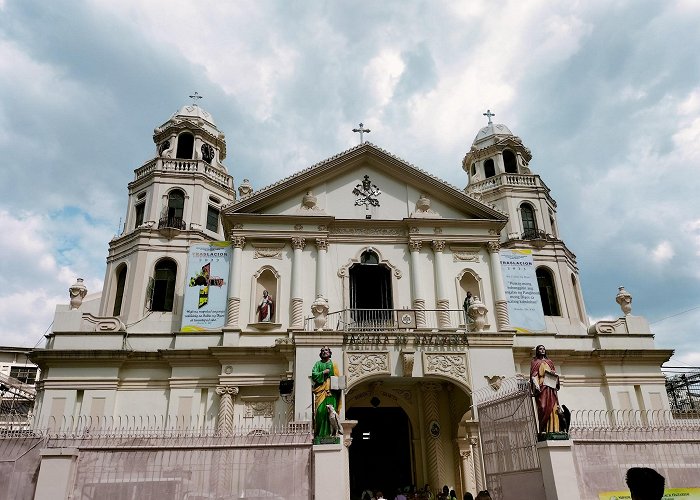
{"x":266,"y":278}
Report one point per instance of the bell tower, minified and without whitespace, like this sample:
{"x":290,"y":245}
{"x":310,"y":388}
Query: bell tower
{"x":174,"y":200}
{"x":498,"y":172}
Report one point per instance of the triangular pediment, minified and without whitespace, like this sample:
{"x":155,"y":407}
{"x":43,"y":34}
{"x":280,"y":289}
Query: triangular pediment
{"x":335,"y":187}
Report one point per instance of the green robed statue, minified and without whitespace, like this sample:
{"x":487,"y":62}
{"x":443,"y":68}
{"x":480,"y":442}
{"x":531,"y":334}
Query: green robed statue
{"x":321,"y":375}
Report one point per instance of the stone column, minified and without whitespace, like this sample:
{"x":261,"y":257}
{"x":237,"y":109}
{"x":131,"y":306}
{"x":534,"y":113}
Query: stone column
{"x":297,"y":313}
{"x":468,"y":483}
{"x":224,"y":424}
{"x":416,"y":287}
{"x":319,"y":308}
{"x":322,"y":249}
{"x":443,"y":303}
{"x":478,"y":464}
{"x":233,"y":301}
{"x":435,"y":455}
{"x":502,"y":321}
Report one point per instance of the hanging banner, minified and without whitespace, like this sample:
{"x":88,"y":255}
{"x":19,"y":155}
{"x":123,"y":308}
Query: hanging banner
{"x":669,"y":494}
{"x":523,"y":294}
{"x":206,"y":288}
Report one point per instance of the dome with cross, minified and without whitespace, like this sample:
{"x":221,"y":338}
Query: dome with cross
{"x":194,"y":111}
{"x":491,"y":133}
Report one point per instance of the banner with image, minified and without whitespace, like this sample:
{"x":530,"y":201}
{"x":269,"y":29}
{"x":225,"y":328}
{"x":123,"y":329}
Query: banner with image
{"x":523,"y":294}
{"x":206,"y":287}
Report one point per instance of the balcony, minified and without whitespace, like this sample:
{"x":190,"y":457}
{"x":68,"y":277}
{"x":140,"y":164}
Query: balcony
{"x":391,"y":320}
{"x":537,"y":237}
{"x":185,"y":166}
{"x":511,"y":180}
{"x":171,"y":226}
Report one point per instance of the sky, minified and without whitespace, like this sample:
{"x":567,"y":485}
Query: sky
{"x":606,"y":94}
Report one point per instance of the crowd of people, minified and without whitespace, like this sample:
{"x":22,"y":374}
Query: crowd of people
{"x":425,"y":493}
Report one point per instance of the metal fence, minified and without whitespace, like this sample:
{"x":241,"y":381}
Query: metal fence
{"x":684,"y":391}
{"x":387,"y":320}
{"x":606,"y":443}
{"x":144,"y":458}
{"x":508,"y":427}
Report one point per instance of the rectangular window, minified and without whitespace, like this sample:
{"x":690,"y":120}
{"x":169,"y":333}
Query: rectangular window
{"x":25,"y":374}
{"x":212,"y":219}
{"x":140,"y":210}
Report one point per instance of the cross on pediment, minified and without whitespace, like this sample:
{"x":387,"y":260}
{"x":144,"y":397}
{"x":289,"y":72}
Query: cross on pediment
{"x":361,"y":130}
{"x":195,"y":97}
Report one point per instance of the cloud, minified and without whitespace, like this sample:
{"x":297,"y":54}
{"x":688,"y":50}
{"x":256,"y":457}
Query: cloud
{"x":662,"y":252}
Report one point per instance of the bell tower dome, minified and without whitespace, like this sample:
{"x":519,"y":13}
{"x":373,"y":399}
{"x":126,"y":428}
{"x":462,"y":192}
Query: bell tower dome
{"x":498,"y":172}
{"x":174,"y":200}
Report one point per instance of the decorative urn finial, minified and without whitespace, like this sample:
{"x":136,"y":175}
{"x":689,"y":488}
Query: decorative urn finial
{"x":624,"y":298}
{"x":77,"y":293}
{"x":477,"y":312}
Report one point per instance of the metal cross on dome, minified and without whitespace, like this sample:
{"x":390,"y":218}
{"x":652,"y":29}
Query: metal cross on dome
{"x":361,"y":130}
{"x":488,"y":114}
{"x":195,"y":97}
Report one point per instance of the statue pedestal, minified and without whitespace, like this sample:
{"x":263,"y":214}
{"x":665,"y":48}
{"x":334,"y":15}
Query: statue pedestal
{"x":331,"y":471}
{"x":558,"y":470}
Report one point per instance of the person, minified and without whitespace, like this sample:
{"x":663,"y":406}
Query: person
{"x":545,"y":396}
{"x":380,"y":496}
{"x":321,"y":374}
{"x":266,"y":308}
{"x":645,"y":483}
{"x":468,"y":496}
{"x":445,"y":493}
{"x":399,"y":495}
{"x":484,"y":495}
{"x":453,"y":495}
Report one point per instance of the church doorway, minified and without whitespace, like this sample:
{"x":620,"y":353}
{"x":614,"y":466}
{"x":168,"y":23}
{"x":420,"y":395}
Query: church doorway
{"x":371,"y":297}
{"x":381,"y":454}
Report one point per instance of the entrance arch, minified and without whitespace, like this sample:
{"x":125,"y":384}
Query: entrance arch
{"x":410,"y":431}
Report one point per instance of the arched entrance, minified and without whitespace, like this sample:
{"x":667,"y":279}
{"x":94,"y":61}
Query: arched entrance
{"x":410,"y":431}
{"x":381,"y":455}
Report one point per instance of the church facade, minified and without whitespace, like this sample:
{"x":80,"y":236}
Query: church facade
{"x":409,"y":280}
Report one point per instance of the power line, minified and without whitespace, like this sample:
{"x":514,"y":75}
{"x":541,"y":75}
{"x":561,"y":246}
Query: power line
{"x":674,"y":315}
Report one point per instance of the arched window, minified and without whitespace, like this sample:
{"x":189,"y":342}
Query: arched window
{"x":489,"y":169}
{"x":509,"y":162}
{"x":119,"y":295}
{"x":548,"y":294}
{"x":527,"y":215}
{"x":371,"y":295}
{"x":185,"y":146}
{"x":176,"y":206}
{"x":163,"y":291}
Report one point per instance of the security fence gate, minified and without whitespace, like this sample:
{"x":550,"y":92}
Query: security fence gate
{"x":509,"y":441}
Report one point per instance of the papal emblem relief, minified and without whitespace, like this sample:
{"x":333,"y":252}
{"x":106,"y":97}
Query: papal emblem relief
{"x":366,"y":193}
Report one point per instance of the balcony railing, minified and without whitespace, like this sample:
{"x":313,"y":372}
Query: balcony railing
{"x":389,"y":320}
{"x":189,"y":166}
{"x":172,"y":223}
{"x":506,"y":180}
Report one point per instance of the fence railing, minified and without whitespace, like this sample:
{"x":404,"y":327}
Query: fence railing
{"x":389,"y":320}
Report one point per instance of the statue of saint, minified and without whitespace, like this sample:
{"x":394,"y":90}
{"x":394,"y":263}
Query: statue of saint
{"x":545,"y":384}
{"x":321,"y":375}
{"x":266,"y":308}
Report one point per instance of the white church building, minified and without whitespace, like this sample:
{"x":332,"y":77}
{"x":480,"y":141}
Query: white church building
{"x":362,"y":252}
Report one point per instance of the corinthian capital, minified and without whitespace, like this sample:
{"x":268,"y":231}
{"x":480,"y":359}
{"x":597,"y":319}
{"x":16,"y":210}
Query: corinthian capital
{"x":298,"y":243}
{"x":322,"y":243}
{"x":415,"y":245}
{"x":493,"y":246}
{"x":438,"y":245}
{"x":238,"y":241}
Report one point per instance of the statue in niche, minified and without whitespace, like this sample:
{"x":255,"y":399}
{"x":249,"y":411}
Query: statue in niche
{"x":266,"y":308}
